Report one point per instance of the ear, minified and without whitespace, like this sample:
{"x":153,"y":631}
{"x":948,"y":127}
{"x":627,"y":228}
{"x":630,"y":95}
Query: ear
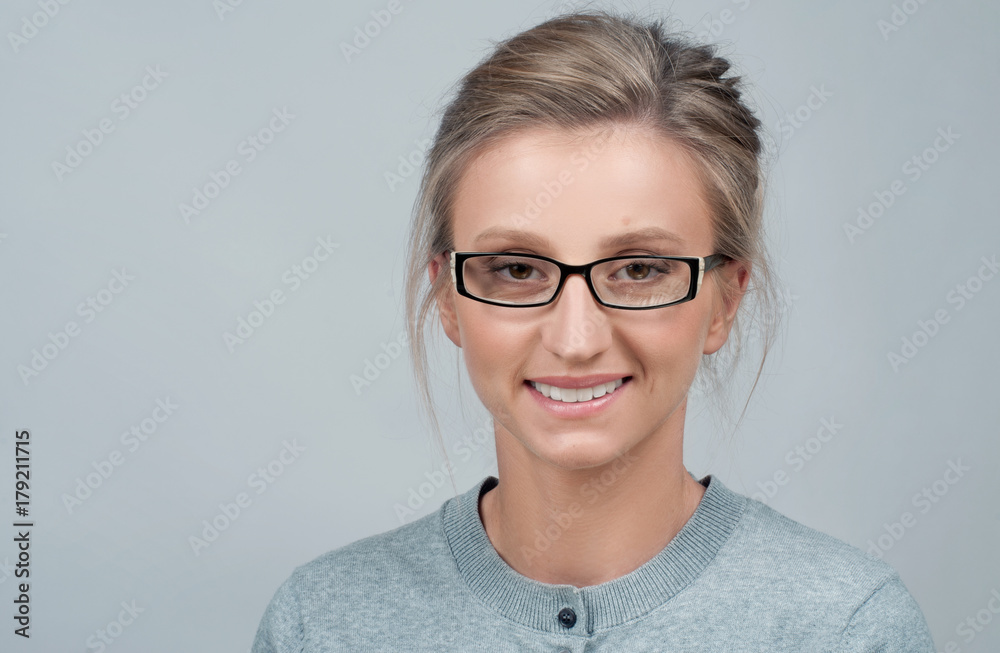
{"x":441,"y":264}
{"x":732,"y":280}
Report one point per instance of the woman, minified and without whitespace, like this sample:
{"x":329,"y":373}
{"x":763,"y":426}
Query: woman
{"x":590,"y":220}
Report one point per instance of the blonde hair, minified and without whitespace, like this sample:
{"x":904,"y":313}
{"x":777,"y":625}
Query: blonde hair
{"x":597,"y":69}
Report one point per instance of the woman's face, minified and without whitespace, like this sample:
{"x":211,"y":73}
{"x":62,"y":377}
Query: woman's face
{"x":563,"y":195}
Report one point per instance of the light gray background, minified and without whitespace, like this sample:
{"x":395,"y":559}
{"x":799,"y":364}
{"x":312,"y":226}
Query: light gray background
{"x":850,"y":303}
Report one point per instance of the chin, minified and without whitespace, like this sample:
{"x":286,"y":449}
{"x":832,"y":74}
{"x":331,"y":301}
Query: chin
{"x":576,"y":450}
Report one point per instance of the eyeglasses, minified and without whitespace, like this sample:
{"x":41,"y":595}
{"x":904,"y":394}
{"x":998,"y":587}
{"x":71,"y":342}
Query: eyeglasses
{"x":627,"y":282}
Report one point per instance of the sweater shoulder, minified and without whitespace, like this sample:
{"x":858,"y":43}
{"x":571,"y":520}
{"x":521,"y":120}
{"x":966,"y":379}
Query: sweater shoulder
{"x":799,"y":558}
{"x":408,"y":554}
{"x":334,"y":588}
{"x":788,"y":573}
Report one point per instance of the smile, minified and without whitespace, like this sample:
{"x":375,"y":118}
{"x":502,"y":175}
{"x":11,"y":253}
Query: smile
{"x":575,"y":395}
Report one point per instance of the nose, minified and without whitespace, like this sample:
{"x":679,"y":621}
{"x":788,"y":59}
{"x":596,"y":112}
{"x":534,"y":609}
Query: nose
{"x":577,"y":327}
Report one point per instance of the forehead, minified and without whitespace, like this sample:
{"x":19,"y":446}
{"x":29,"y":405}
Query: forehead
{"x":581,"y":193}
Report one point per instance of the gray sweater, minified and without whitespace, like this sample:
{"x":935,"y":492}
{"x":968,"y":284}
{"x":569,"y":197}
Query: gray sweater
{"x":739,"y":576}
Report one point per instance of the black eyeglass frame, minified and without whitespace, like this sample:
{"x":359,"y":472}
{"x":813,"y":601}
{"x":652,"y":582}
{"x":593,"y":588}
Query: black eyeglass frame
{"x":698,"y":264}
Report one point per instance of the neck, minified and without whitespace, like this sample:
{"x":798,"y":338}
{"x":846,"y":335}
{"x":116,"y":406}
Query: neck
{"x":584,"y":527}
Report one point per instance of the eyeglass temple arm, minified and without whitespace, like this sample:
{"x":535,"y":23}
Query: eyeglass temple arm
{"x":708,"y":263}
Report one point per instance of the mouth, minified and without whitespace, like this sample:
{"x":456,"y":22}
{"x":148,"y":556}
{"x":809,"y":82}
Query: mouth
{"x":578,"y":395}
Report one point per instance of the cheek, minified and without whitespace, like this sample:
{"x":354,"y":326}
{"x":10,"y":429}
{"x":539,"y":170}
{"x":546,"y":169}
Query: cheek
{"x":478,"y":330}
{"x":491,"y":347}
{"x":670,"y":347}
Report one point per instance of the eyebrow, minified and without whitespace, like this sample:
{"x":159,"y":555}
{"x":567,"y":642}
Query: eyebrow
{"x":619,"y":240}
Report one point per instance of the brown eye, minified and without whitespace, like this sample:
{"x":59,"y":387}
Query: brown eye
{"x":519,"y":270}
{"x":645,"y":270}
{"x":638,"y":270}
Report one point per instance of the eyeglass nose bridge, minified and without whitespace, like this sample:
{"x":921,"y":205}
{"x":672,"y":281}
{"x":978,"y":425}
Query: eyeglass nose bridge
{"x":584,"y":271}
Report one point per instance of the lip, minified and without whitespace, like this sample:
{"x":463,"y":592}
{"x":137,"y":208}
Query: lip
{"x":576,"y":382}
{"x":578,"y":409}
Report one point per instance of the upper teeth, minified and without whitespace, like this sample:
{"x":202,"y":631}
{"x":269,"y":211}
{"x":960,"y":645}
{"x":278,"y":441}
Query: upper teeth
{"x":572,"y":395}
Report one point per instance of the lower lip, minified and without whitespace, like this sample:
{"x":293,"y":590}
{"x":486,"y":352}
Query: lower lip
{"x":579,"y":408}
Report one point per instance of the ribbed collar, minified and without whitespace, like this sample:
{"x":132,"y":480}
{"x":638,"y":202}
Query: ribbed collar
{"x":597,"y":607}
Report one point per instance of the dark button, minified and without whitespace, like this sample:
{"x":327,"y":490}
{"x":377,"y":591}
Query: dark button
{"x":567,"y":617}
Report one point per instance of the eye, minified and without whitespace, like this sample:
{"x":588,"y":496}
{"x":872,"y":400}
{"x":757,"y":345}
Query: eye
{"x":638,"y":270}
{"x":516,"y":269}
{"x":644,"y":269}
{"x":519,"y":270}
